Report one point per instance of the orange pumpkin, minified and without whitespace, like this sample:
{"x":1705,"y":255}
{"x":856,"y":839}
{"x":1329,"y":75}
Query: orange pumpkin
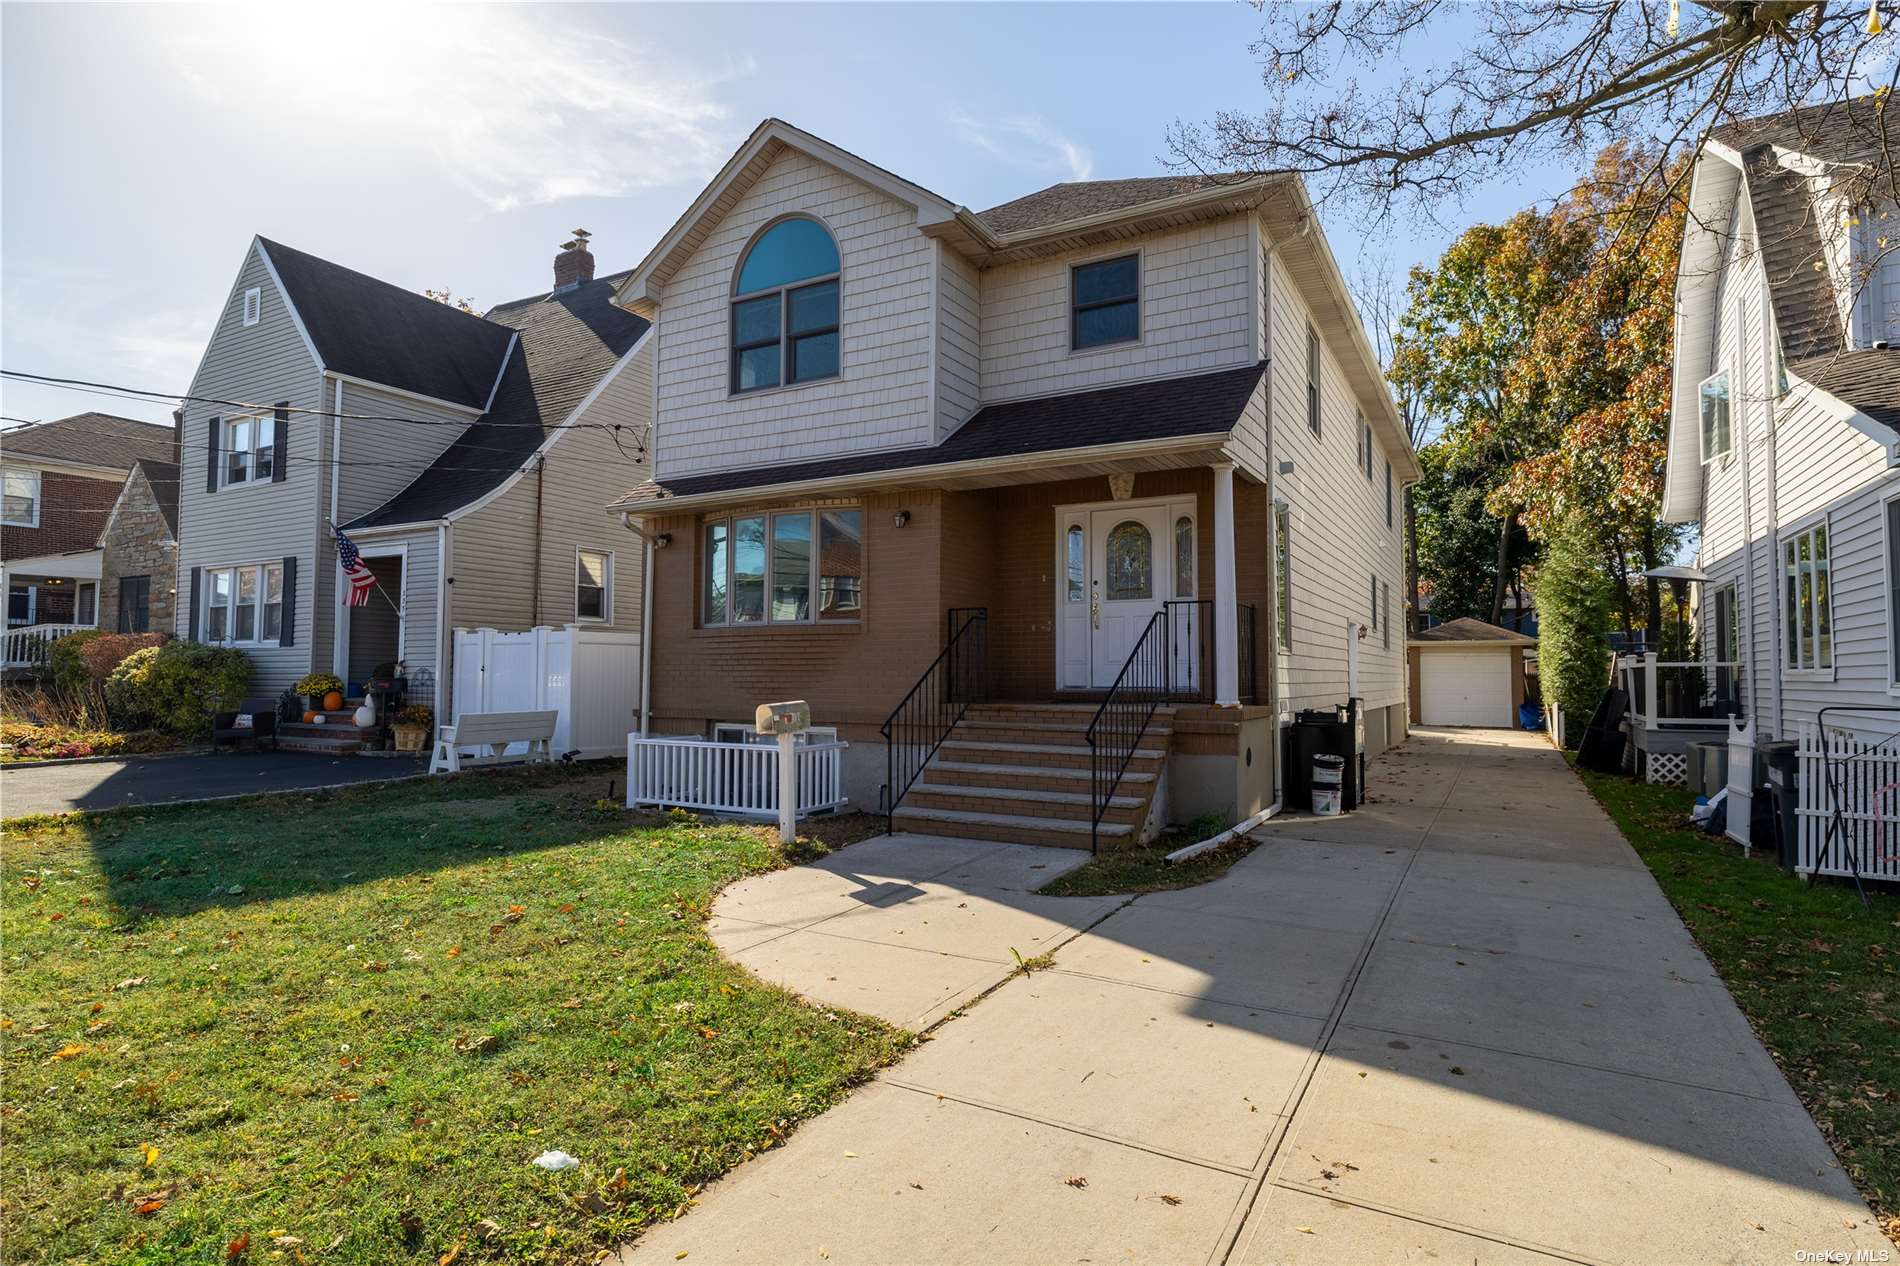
{"x":309,"y":718}
{"x":333,"y":701}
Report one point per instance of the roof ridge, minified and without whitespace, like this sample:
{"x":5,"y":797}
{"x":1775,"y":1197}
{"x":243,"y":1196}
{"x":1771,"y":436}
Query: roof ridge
{"x":415,"y":295}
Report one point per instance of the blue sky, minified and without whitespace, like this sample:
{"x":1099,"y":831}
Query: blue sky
{"x":142,"y":146}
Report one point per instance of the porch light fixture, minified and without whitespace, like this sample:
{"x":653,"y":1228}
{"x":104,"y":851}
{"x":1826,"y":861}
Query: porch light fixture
{"x":663,"y":540}
{"x":902,"y":517}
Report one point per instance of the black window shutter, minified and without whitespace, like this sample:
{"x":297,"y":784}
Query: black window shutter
{"x":197,"y":576}
{"x":288,"y":635}
{"x":280,"y":441}
{"x":211,"y":457}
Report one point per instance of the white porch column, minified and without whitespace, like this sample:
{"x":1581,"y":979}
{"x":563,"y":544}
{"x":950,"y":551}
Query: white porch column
{"x":1226,"y":613}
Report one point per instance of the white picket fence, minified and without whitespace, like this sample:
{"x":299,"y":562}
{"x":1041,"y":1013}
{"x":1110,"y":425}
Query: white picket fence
{"x":1864,"y":786}
{"x":589,"y":676}
{"x":1741,"y":788}
{"x":32,"y":645}
{"x":738,"y":778}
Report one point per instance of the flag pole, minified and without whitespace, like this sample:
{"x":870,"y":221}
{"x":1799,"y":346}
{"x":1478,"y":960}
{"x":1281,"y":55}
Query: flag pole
{"x":393,"y":604}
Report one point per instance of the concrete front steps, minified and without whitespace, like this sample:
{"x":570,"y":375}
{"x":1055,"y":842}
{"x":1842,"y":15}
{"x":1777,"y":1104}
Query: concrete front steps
{"x":1019,"y":773}
{"x":337,"y":736}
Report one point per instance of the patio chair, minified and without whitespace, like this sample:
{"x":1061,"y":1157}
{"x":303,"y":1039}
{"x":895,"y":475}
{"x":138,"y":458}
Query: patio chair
{"x":255,"y":719}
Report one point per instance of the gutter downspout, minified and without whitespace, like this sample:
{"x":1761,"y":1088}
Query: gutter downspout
{"x":443,"y":664}
{"x":540,"y":493}
{"x":340,"y":651}
{"x":646,"y":623}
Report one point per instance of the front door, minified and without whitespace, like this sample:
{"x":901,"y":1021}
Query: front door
{"x":1128,"y":582}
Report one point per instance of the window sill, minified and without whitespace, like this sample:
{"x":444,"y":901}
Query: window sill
{"x":1807,"y":674}
{"x":14,"y":524}
{"x":246,"y":486}
{"x":1118,"y":345}
{"x":754,"y":630}
{"x":782,"y":387}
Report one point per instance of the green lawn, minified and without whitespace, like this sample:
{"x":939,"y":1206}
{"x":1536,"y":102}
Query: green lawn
{"x":1817,"y":976}
{"x":336,"y":1028}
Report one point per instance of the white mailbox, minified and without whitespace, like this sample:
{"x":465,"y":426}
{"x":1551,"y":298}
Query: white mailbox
{"x":793,"y":717}
{"x":786,"y":720}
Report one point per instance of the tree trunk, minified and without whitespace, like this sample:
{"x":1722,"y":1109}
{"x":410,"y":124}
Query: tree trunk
{"x":1415,"y":621}
{"x":1504,"y":567}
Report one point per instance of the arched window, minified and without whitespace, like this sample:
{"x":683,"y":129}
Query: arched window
{"x":785,"y":308}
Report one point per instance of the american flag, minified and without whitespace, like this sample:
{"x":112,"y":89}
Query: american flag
{"x":360,"y":577}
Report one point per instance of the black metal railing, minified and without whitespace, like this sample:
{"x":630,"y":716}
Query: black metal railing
{"x":1190,"y":644}
{"x":917,"y":727}
{"x":1244,"y":619}
{"x":1114,"y":736}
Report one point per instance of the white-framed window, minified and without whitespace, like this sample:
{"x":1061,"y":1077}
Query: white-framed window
{"x":1713,"y":402}
{"x":244,"y":605}
{"x":593,"y":586}
{"x":1807,"y":600}
{"x":1283,"y":574}
{"x":253,"y":305}
{"x":22,"y":499}
{"x":1312,"y":379}
{"x":250,"y":451}
{"x":1365,"y":446}
{"x":1105,"y":302}
{"x":1388,"y":492}
{"x":783,"y":567}
{"x":785,"y":298}
{"x":1385,"y":612}
{"x":739,"y":732}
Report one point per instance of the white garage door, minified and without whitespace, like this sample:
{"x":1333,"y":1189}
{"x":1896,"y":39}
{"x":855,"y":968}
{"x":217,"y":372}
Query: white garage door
{"x":1465,"y":687}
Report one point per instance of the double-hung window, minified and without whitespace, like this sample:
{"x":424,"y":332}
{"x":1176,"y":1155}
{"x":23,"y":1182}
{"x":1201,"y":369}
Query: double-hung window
{"x":1365,"y":446}
{"x":1388,"y":492}
{"x":593,"y":586}
{"x":1312,"y":379}
{"x":1717,"y":437}
{"x":1806,"y":600}
{"x":22,"y":503}
{"x":250,"y":453}
{"x":244,"y":605}
{"x":1283,"y":574}
{"x":1105,"y":302}
{"x":788,"y":567}
{"x":785,"y":308}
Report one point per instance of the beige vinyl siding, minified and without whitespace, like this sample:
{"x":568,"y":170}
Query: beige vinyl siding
{"x":419,"y":651}
{"x":881,"y":398}
{"x":256,"y":523}
{"x":1196,"y":295}
{"x":1339,"y":537}
{"x":494,"y":550}
{"x":958,"y":343}
{"x":381,"y":458}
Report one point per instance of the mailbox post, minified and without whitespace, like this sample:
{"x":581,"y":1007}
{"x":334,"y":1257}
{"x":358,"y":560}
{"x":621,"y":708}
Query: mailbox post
{"x":786,"y":721}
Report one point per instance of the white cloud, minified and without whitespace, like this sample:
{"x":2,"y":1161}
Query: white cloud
{"x":516,"y":106}
{"x":1028,"y":143}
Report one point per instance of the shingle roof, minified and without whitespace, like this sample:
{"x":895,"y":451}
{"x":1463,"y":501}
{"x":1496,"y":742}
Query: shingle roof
{"x":568,"y":342}
{"x":1800,"y":285}
{"x":1173,"y":408}
{"x":91,"y":439}
{"x":1854,"y":130}
{"x":1072,"y":200}
{"x":384,"y":334}
{"x":1468,"y":629}
{"x":163,"y":477}
{"x":1869,"y":380}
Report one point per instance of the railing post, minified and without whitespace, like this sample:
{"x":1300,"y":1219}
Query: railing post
{"x":1650,"y":714}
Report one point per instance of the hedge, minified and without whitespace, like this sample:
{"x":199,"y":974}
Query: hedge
{"x":178,"y":686}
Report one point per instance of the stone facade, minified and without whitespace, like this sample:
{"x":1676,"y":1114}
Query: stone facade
{"x":139,"y":542}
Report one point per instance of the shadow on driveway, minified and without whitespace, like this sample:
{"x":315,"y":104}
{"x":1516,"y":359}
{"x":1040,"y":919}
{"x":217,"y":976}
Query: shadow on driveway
{"x":150,"y":780}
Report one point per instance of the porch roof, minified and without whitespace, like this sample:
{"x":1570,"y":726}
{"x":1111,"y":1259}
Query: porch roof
{"x":1138,"y":415}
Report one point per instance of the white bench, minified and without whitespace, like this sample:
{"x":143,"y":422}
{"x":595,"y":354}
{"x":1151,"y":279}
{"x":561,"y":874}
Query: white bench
{"x":491,"y":734}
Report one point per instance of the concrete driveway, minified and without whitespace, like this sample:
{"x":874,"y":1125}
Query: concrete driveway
{"x":137,"y":780}
{"x":1462,"y":1024}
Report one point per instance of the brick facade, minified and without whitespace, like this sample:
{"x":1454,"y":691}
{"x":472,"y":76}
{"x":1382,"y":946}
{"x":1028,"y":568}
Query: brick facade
{"x":139,"y":543}
{"x":73,"y":510}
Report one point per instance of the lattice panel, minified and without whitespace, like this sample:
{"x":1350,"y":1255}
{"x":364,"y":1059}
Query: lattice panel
{"x":1669,"y":769}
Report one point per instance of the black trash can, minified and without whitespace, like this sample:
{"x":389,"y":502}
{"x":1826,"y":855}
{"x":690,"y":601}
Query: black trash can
{"x":1314,"y":732}
{"x":1784,"y":789}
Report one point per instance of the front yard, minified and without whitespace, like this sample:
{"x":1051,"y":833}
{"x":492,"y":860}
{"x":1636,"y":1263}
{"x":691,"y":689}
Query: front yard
{"x":1817,"y":976}
{"x":337,"y":1028}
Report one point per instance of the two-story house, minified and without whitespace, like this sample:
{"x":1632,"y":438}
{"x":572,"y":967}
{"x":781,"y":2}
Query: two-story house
{"x":1785,"y":425}
{"x":467,"y":457}
{"x":1116,"y":440}
{"x":65,"y":484}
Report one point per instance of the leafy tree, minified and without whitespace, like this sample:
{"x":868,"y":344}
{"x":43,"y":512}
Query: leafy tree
{"x":1457,"y":537}
{"x":1573,"y":608}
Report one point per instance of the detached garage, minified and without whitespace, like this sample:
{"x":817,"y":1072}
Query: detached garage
{"x":1467,"y":672}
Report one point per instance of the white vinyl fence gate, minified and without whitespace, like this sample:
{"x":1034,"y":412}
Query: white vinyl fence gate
{"x":1859,"y":775}
{"x":590,"y":676}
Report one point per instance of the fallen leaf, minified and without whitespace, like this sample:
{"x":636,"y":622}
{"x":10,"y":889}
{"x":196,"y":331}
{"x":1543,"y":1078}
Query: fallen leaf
{"x":448,"y":1258}
{"x":1076,"y":1181}
{"x":237,"y":1247}
{"x":1304,"y":1230}
{"x":130,"y":982}
{"x":677,"y":1256}
{"x":150,"y":1154}
{"x":487,"y":1229}
{"x":69,"y":1050}
{"x":1456,"y":1071}
{"x":850,"y":1155}
{"x":97,"y":1027}
{"x":572,"y":1004}
{"x":148,"y":1207}
{"x":455,"y":951}
{"x":1167,"y":1199}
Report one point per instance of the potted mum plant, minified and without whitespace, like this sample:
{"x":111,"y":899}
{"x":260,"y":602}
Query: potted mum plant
{"x":316,"y":687}
{"x":411,"y":727}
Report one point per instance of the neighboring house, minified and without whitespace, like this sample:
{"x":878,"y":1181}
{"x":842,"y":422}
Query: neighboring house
{"x":1101,"y":410}
{"x":138,"y":566}
{"x":467,"y":456}
{"x":1785,"y":425}
{"x":63,"y":480}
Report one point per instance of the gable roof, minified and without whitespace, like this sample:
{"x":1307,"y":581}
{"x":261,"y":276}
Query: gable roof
{"x":368,"y":329}
{"x":1869,"y":380}
{"x":1788,"y":235}
{"x":569,"y":342}
{"x":1205,"y":405}
{"x":1079,"y":199}
{"x":1468,"y":629}
{"x":163,"y":479}
{"x":91,"y":439}
{"x":1850,"y":131}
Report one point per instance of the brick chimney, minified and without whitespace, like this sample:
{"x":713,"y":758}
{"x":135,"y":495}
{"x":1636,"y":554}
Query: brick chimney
{"x":575,"y":263}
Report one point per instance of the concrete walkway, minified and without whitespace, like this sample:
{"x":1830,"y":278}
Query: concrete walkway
{"x":137,"y":780}
{"x":1460,"y":1025}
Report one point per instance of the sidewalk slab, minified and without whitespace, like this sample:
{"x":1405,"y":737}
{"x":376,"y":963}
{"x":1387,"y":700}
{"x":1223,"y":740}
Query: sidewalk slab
{"x":975,"y":923}
{"x":1192,"y":1078}
{"x":1300,"y":1228}
{"x":911,"y":988}
{"x":1595,"y":1165}
{"x":893,"y":1175}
